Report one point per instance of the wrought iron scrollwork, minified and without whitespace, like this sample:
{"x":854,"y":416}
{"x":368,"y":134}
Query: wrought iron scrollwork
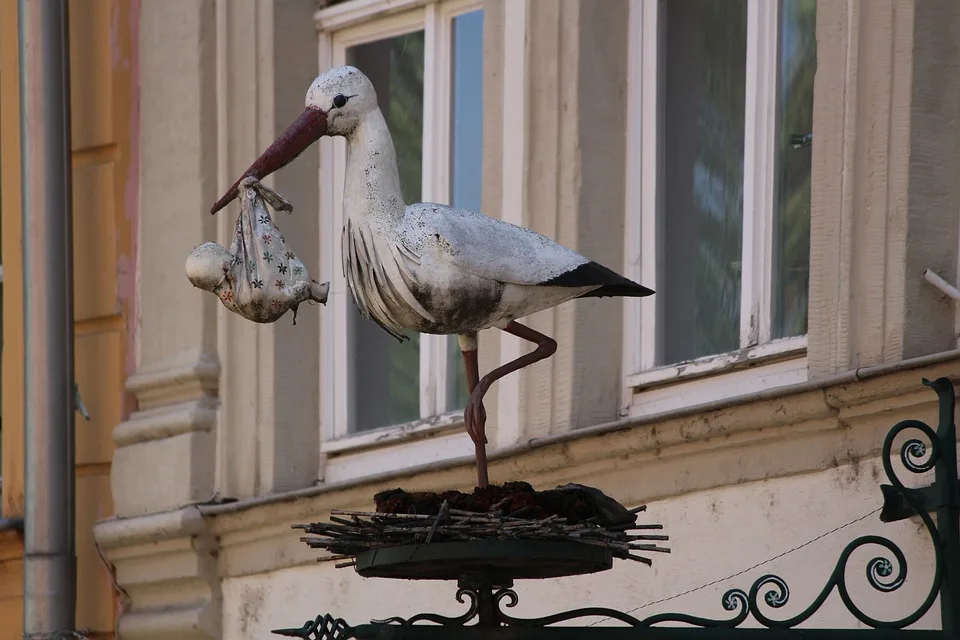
{"x":733,"y":600}
{"x":471,"y":612}
{"x":324,"y":627}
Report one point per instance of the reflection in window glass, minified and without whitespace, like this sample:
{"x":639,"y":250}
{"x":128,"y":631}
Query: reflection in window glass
{"x":791,"y":245}
{"x":385,"y":376}
{"x":466,"y":146}
{"x":702,"y":208}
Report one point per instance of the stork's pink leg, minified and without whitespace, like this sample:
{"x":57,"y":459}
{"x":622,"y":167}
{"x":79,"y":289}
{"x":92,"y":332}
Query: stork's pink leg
{"x":468,"y":347}
{"x":475,"y":416}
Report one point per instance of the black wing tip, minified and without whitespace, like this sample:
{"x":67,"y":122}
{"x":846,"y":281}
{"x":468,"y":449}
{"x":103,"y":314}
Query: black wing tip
{"x":633,"y":290}
{"x":592,"y":274}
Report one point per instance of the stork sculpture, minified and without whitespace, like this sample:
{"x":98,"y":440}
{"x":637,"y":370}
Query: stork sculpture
{"x":429,"y":267}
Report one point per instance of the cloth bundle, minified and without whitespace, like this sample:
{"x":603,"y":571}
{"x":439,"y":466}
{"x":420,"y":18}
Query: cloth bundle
{"x":259,"y":277}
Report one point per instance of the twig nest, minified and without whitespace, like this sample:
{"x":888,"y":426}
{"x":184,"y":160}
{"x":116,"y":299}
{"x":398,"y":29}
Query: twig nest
{"x":573,"y":502}
{"x":513,"y":511}
{"x":259,"y":277}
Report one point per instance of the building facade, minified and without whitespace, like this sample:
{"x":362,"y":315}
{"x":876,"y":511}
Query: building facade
{"x":745,"y":403}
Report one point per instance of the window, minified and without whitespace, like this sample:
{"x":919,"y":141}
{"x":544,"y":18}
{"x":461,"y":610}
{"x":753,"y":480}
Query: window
{"x":426,"y":66}
{"x":718,"y":201}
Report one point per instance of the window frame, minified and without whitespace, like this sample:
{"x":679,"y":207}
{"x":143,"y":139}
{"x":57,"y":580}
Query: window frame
{"x":643,"y":317}
{"x":341,"y":27}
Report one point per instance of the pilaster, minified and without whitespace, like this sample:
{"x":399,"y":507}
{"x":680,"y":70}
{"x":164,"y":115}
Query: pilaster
{"x":171,"y":435}
{"x":575,"y":195}
{"x":269,"y":423}
{"x":886,"y":199}
{"x":228,"y":408}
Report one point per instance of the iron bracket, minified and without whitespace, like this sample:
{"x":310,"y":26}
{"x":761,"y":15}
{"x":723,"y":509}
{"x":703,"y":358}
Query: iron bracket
{"x":886,"y":572}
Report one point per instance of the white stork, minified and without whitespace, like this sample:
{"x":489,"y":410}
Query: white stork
{"x":429,"y":267}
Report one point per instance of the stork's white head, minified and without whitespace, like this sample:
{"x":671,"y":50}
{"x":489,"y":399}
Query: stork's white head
{"x":346,"y":95}
{"x":336,"y":102}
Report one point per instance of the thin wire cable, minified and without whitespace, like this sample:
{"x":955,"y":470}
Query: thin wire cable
{"x":747,"y":570}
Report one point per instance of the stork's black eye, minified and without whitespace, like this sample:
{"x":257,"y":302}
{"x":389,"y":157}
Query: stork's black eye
{"x":339,"y":100}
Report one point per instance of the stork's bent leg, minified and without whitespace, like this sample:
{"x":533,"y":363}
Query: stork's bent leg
{"x":475,"y":429}
{"x":546,"y":347}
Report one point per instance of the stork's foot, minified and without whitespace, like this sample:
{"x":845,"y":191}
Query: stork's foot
{"x":475,"y":418}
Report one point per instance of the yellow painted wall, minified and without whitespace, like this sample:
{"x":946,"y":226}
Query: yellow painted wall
{"x":103,"y":85}
{"x":11,"y":585}
{"x":12,"y":257}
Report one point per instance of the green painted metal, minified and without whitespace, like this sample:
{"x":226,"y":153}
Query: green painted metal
{"x":886,"y":572}
{"x":382,"y":632}
{"x":491,"y":562}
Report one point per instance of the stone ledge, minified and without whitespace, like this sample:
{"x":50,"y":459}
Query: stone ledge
{"x":116,"y":533}
{"x":164,"y":422}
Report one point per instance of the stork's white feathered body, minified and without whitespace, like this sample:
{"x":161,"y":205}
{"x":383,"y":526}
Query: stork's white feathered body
{"x":437,"y":269}
{"x":423,"y":273}
{"x":429,"y":267}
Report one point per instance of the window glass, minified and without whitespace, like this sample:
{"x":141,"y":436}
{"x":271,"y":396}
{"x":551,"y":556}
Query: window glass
{"x":791,"y":244}
{"x":702,"y":204}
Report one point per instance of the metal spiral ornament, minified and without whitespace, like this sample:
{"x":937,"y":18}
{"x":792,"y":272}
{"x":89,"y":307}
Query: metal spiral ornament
{"x":884,"y":573}
{"x":324,"y":627}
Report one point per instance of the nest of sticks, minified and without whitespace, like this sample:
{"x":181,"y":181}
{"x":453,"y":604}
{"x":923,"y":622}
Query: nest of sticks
{"x":513,"y":511}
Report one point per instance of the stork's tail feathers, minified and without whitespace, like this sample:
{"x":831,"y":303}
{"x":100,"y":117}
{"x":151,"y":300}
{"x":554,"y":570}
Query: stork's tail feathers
{"x":593,"y":274}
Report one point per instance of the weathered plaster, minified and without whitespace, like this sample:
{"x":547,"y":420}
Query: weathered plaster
{"x":126,"y":40}
{"x":573,"y":193}
{"x":886,"y":202}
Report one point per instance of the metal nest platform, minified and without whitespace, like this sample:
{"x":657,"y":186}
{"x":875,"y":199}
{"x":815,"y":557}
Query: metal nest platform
{"x":486,"y":570}
{"x":493,"y":536}
{"x":485,"y":562}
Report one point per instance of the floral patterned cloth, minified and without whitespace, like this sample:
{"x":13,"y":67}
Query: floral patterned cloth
{"x":260,"y":277}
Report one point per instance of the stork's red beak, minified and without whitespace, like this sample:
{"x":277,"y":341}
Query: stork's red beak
{"x":304,"y":131}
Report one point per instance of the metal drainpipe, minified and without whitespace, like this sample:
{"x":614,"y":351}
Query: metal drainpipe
{"x":49,"y":598}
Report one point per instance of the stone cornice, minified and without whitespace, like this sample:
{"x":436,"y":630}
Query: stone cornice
{"x":117,"y":533}
{"x":175,"y":382}
{"x":163,"y":422}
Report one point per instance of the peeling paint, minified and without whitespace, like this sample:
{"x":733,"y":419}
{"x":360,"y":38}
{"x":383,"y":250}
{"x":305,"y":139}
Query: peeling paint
{"x":251,"y":607}
{"x":127,"y":255}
